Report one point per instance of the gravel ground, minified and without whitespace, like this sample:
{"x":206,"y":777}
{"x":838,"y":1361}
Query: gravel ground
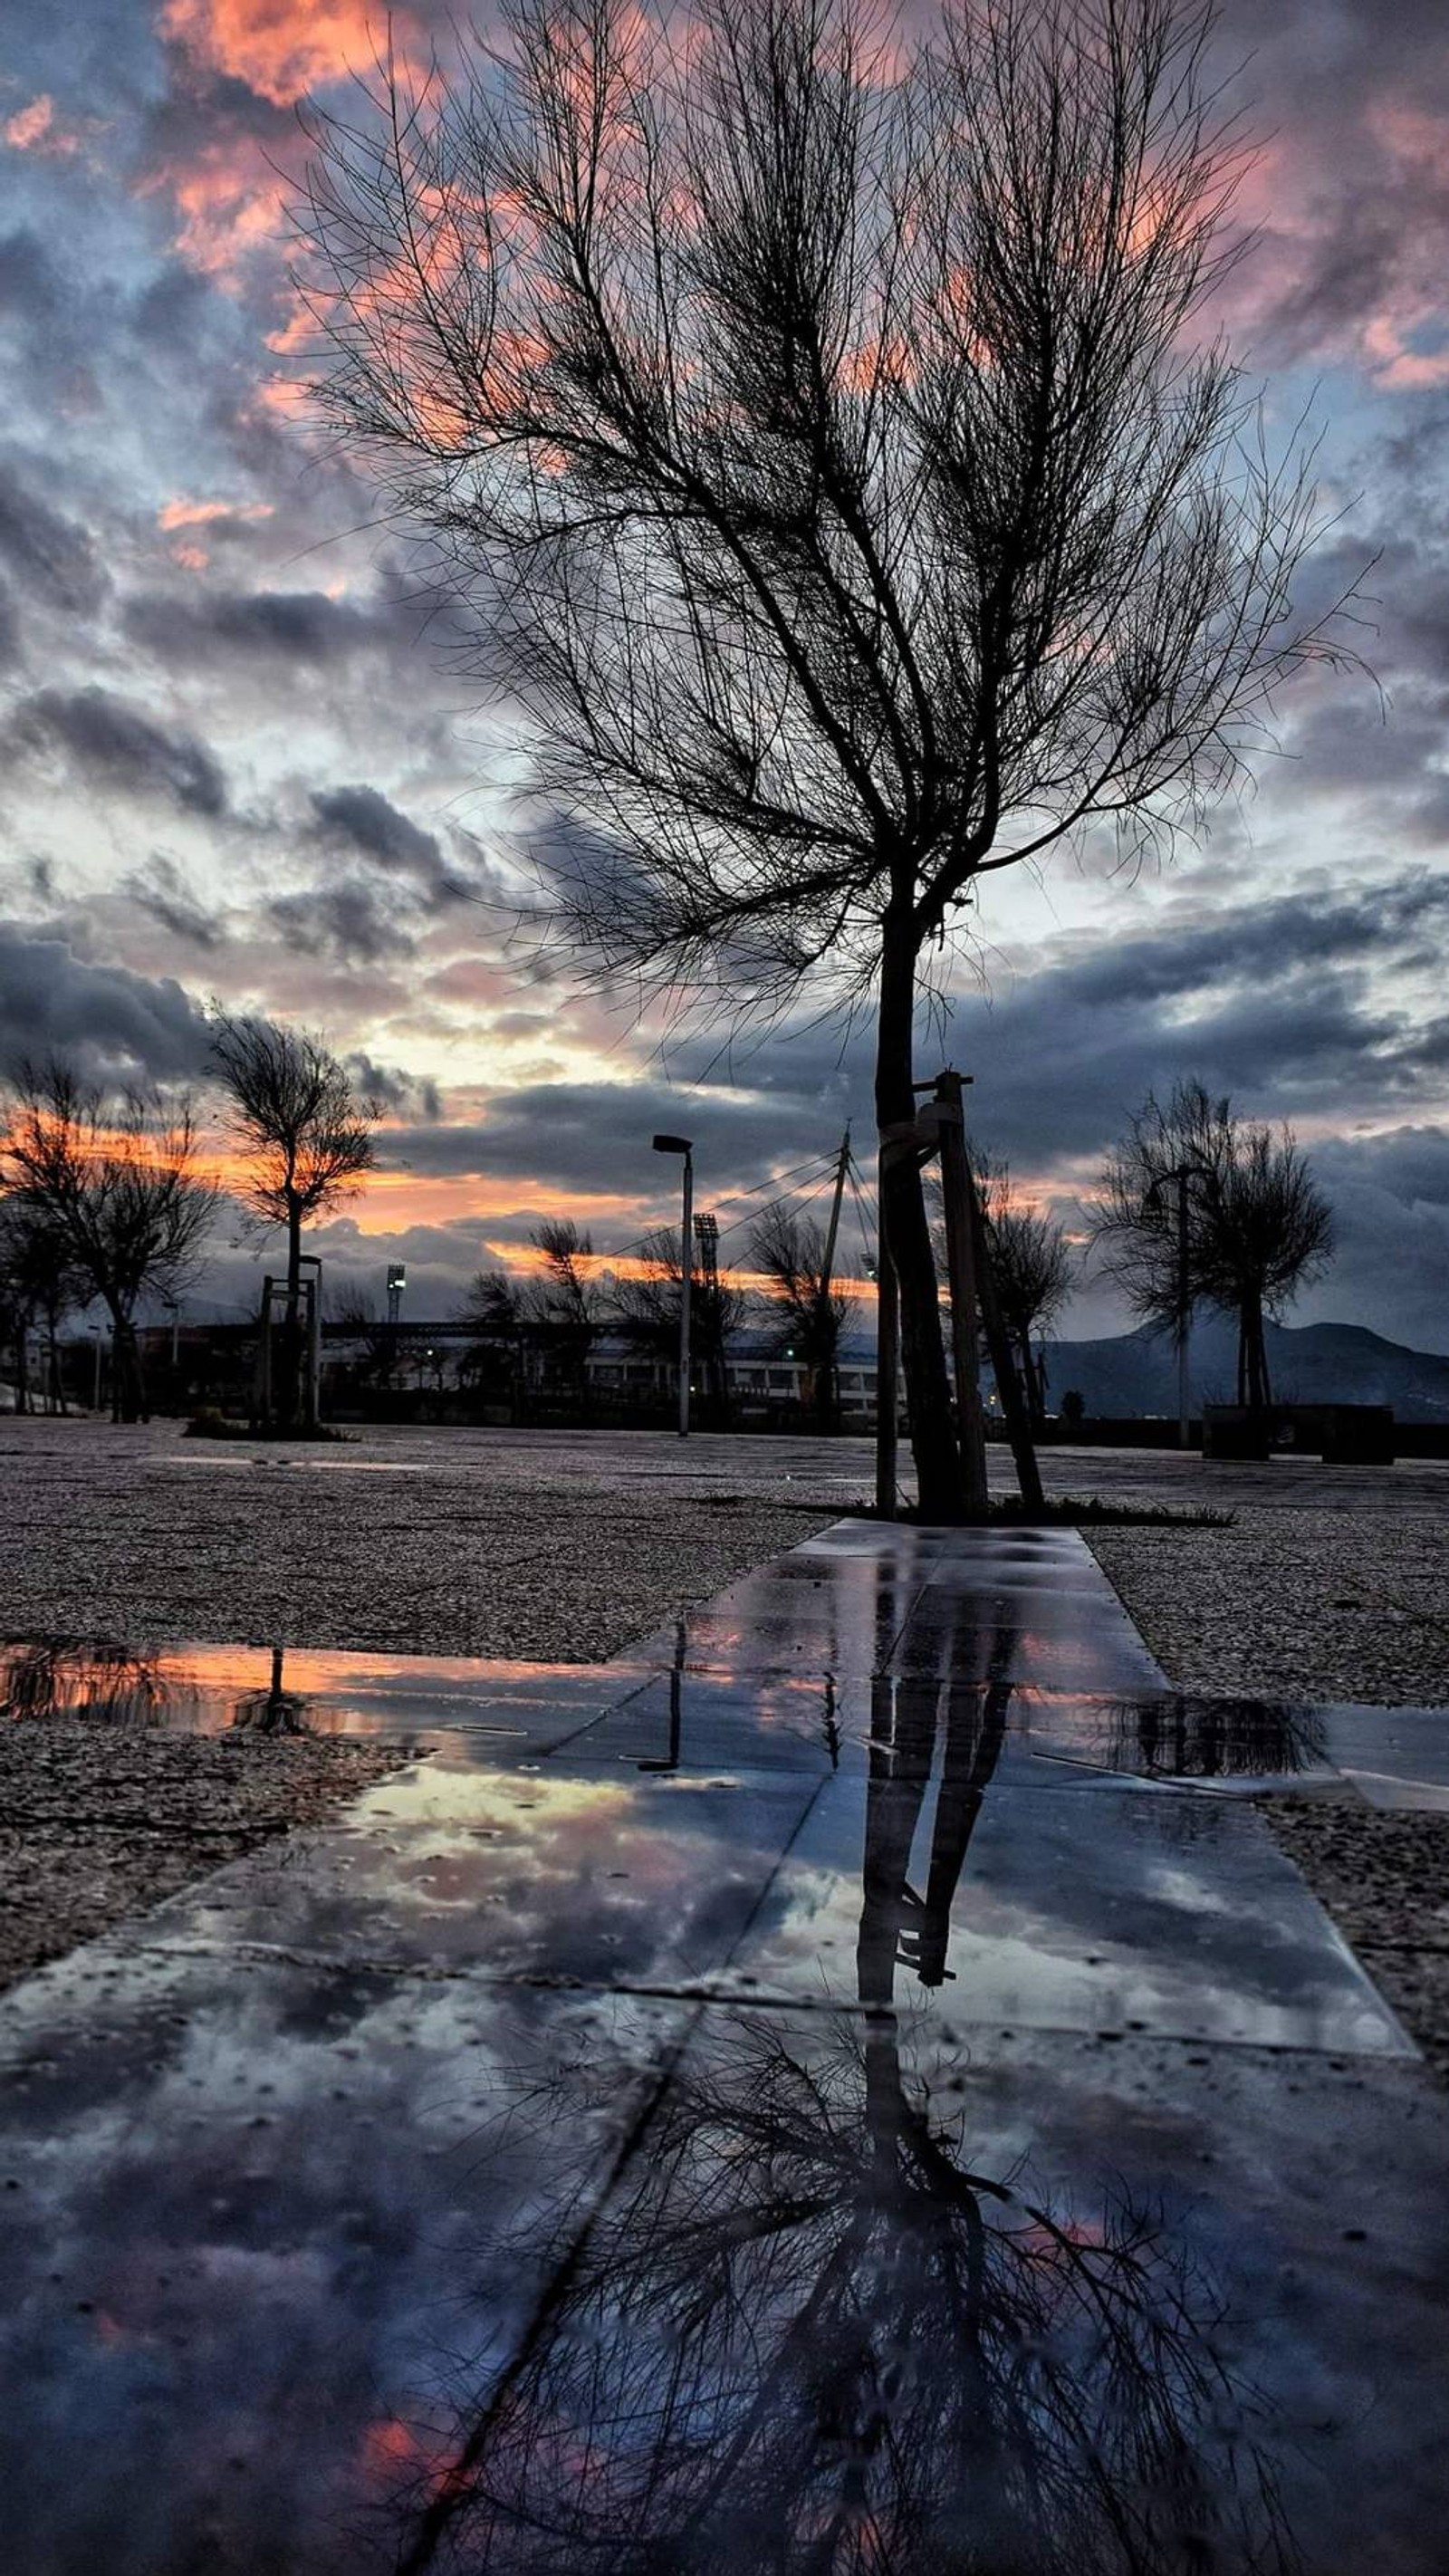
{"x":1332,"y":1584}
{"x":1297,"y":1600}
{"x":563,"y":1547}
{"x":98,"y":1822}
{"x":1384,"y":1877}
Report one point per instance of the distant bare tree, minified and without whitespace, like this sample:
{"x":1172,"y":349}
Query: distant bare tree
{"x":545,"y":1326}
{"x":116,"y":1181}
{"x":808,"y":423}
{"x":647,"y":1300}
{"x":39,"y":1285}
{"x":493,"y":1309}
{"x":306,"y":1140}
{"x":1259,"y":1228}
{"x":812,"y":1313}
{"x":568,"y":1302}
{"x":1032,"y":1262}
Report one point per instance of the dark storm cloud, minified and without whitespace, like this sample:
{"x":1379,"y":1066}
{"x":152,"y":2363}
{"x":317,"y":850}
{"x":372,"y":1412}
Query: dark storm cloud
{"x":404,"y":1095}
{"x":366,"y":819}
{"x":51,"y":558}
{"x":267,"y":625}
{"x":110,"y":740}
{"x":596,"y":1137}
{"x":110,"y":1020}
{"x":1390,"y":1196}
{"x":161,"y":891}
{"x":348,"y":921}
{"x":1272,"y":1004}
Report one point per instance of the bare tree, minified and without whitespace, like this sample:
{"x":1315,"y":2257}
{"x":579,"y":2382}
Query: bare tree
{"x":39,"y":1285}
{"x":117,"y":1181}
{"x":498,"y":1361}
{"x":542,"y":1328}
{"x":306,"y":1139}
{"x":1258,"y":1228}
{"x":1032,"y":1263}
{"x":790,"y":1251}
{"x":567,"y":1303}
{"x":810,"y":427}
{"x":646,"y":1307}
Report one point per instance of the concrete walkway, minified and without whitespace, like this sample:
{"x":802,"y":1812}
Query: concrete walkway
{"x":853,"y":2086}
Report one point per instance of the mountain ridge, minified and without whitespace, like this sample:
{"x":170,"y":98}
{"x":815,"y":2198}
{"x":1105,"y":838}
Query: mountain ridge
{"x":1126,"y":1374}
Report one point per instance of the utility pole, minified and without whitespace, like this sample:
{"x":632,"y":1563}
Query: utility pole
{"x":827,"y":1267}
{"x":826,"y":1388}
{"x":1181,"y":1175}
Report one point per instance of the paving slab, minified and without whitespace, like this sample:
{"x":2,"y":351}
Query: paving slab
{"x":740,"y":2108}
{"x":1017,"y":2306}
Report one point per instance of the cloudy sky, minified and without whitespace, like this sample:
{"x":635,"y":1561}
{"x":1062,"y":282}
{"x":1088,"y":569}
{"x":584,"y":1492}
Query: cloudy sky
{"x":236,"y":760}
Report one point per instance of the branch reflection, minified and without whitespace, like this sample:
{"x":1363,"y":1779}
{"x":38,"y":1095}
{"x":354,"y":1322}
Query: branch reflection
{"x":808,"y":2331}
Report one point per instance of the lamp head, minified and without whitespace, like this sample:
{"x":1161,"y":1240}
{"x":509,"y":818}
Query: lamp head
{"x":673,"y":1145}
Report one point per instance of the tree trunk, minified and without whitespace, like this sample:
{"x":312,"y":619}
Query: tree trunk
{"x":908,"y":1234}
{"x":1255,"y":1339}
{"x":126,"y":1381}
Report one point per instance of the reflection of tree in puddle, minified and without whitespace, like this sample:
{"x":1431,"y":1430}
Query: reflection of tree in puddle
{"x":60,"y":1677}
{"x":1206,"y":1739}
{"x":805,"y":2332}
{"x":275,"y":1710}
{"x":126,"y":1685}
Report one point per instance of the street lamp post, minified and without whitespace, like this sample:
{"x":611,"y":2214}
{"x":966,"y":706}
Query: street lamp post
{"x":1181,"y":1176}
{"x":683,"y":1145}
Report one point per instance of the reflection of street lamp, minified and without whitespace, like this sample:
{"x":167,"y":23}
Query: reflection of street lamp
{"x":683,"y":1145}
{"x":1181,"y":1174}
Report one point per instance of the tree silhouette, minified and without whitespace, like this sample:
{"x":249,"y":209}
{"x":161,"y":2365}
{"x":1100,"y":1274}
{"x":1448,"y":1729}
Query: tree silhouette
{"x":306,"y":1142}
{"x":116,"y":1182}
{"x":1258,"y":1227}
{"x":812,"y":1313}
{"x":809,"y":430}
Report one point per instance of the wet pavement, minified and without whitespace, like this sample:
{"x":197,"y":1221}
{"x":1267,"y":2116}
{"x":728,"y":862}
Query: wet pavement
{"x":852,"y":2086}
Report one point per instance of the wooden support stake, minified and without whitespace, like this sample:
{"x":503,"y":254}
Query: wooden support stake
{"x":961,"y":1269}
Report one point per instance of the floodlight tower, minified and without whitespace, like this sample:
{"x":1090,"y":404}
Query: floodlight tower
{"x":683,"y":1145}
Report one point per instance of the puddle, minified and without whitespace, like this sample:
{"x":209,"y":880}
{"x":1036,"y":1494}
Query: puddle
{"x":897,"y":2112}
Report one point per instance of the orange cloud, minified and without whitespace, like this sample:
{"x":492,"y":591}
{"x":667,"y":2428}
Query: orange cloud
{"x":29,"y":124}
{"x":34,"y":129}
{"x":200,"y":514}
{"x":280,"y":48}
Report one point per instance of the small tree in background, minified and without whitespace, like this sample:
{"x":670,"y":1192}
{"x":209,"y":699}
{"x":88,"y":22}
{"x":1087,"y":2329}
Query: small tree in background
{"x":493,"y":1310}
{"x":39,"y":1285}
{"x":812,"y":1314}
{"x":567,"y":1303}
{"x":115,"y":1182}
{"x":1032,"y":1263}
{"x":1258,"y":1227}
{"x":646,"y":1307}
{"x":544,"y":1326}
{"x":306,"y":1142}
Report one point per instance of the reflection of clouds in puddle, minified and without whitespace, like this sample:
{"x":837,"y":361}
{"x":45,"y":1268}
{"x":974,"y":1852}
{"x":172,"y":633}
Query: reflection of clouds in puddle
{"x":806,"y":2329}
{"x":204,"y":1690}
